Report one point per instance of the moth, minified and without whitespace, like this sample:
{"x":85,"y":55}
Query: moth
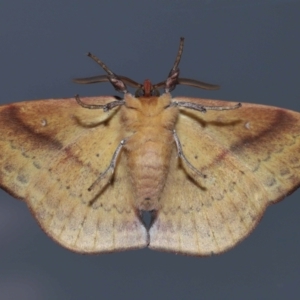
{"x":205,"y":170}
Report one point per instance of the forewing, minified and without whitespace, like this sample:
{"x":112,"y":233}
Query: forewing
{"x":251,"y":159}
{"x":51,"y":151}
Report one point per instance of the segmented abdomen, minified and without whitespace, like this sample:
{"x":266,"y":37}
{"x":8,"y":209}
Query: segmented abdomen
{"x":148,"y":161}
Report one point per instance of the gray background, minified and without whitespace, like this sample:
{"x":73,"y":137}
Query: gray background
{"x":250,"y":47}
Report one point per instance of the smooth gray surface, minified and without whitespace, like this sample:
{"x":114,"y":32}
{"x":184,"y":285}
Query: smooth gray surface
{"x":250,"y":47}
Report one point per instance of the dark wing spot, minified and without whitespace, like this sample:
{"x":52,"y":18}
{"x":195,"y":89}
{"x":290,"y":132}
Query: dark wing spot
{"x":22,"y":178}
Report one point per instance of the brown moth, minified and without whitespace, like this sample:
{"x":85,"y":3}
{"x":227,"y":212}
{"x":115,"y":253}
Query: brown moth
{"x":206,"y":170}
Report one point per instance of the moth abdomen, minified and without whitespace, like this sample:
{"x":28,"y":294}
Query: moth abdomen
{"x":148,"y":166}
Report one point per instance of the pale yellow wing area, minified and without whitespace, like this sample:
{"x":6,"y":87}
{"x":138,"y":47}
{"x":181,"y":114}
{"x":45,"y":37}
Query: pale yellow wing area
{"x":51,"y":151}
{"x":251,"y":157}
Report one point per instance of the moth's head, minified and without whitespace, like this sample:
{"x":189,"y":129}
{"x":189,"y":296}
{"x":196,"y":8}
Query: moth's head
{"x":147,"y":90}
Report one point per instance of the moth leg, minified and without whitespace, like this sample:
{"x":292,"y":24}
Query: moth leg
{"x":203,"y":108}
{"x":106,"y":107}
{"x":182,"y":156}
{"x":111,"y":165}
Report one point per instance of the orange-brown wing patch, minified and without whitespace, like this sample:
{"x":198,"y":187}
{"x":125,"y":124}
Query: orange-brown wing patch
{"x":251,"y":158}
{"x":51,"y":151}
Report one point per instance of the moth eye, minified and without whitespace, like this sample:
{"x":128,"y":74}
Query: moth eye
{"x":155,"y":93}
